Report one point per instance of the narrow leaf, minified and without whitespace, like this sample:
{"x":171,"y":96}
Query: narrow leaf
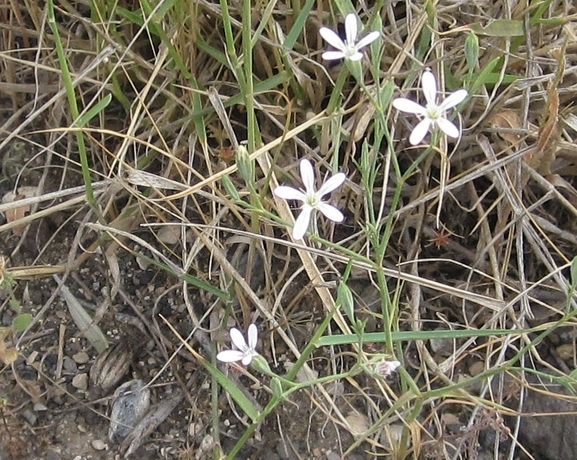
{"x":94,"y":110}
{"x":21,"y":322}
{"x":83,"y":321}
{"x":500,"y":28}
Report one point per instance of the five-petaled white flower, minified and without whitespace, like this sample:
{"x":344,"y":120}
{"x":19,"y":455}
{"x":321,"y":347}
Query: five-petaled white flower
{"x":311,"y":198}
{"x":347,"y":49}
{"x":433,"y":113}
{"x":245,"y":351}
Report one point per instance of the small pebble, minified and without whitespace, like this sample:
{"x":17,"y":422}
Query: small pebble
{"x":476,"y":368}
{"x":132,"y":400}
{"x":169,"y":234}
{"x":565,"y":351}
{"x":99,"y":444}
{"x":80,"y":381}
{"x":358,"y":423}
{"x":392,"y":435}
{"x":29,"y":416}
{"x":39,"y":407}
{"x":80,"y":357}
{"x":69,"y":365}
{"x":441,"y":346}
{"x":31,"y":358}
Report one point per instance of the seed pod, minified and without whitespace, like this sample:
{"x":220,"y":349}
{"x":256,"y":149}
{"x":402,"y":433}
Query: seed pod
{"x":131,"y":402}
{"x":111,"y":366}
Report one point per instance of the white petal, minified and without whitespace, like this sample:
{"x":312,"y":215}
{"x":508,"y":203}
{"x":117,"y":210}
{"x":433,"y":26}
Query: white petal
{"x":351,"y":29}
{"x":230,"y":356}
{"x":408,"y":106}
{"x":419,"y":132}
{"x":331,"y":184}
{"x":355,"y":57}
{"x":289,"y":193}
{"x":429,"y":87}
{"x":331,"y":212}
{"x":246,"y":360}
{"x":370,"y":38}
{"x":333,"y":55}
{"x":386,"y":368}
{"x":302,"y":223}
{"x":252,"y":336}
{"x":332,"y":38}
{"x":308,"y":176}
{"x":238,"y":339}
{"x":448,"y":127}
{"x":454,"y":99}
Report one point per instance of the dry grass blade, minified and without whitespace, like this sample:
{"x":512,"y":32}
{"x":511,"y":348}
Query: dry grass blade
{"x":83,"y":320}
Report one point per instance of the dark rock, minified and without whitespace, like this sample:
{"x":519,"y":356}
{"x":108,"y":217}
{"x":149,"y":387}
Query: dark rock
{"x":544,"y":434}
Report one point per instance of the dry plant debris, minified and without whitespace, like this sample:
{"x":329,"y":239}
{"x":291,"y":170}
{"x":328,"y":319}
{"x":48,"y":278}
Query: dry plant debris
{"x":167,"y":290}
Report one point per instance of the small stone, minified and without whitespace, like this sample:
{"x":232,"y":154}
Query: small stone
{"x":99,"y":445}
{"x":358,"y":423}
{"x":392,"y":435}
{"x":80,"y":357}
{"x":69,"y":365}
{"x":31,"y":358}
{"x":39,"y":407}
{"x":80,"y":381}
{"x":29,"y":416}
{"x":476,"y":368}
{"x":441,"y":346}
{"x":192,"y":429}
{"x":566,"y":351}
{"x":132,"y":400}
{"x":169,"y":234}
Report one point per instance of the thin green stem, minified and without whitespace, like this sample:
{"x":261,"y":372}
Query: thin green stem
{"x":71,"y":95}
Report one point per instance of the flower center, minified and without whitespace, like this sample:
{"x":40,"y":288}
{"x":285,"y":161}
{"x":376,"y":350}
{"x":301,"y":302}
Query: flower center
{"x":434,"y":112}
{"x":350,"y":49}
{"x":313,"y":200}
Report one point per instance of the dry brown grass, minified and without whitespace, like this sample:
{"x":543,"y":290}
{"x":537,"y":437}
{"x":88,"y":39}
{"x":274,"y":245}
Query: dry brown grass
{"x":478,"y":234}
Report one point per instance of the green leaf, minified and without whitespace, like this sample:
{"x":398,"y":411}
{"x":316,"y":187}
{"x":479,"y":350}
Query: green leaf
{"x":190,"y":279}
{"x":346,"y":301}
{"x":232,"y":389}
{"x":94,"y":110}
{"x":409,"y":336}
{"x":500,"y":28}
{"x":230,"y":188}
{"x":21,"y":322}
{"x":84,"y":321}
{"x":574,"y":273}
{"x":483,"y":77}
{"x":276,"y":387}
{"x":298,"y":25}
{"x":14,"y":304}
{"x":472,"y":52}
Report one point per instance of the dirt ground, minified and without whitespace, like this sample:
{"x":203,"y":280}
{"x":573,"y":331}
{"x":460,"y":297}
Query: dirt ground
{"x":54,"y":409}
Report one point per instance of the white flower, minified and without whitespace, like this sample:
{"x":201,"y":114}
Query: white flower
{"x":311,"y":198}
{"x":245,"y":352}
{"x":386,"y":368}
{"x":433,"y":113}
{"x":348,"y":49}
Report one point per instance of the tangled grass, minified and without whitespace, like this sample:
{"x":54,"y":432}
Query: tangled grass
{"x":160,"y":129}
